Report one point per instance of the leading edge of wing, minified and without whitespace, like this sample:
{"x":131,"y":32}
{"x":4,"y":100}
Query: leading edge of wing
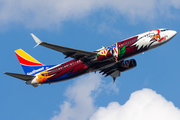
{"x":69,"y":52}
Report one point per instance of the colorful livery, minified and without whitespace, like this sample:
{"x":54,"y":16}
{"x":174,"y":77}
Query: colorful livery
{"x":110,"y":60}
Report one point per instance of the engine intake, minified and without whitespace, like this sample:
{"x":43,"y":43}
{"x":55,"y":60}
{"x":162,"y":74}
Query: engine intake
{"x":127,"y":64}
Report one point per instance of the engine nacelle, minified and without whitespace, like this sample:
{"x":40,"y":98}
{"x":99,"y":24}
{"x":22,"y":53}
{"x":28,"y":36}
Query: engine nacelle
{"x":127,"y":64}
{"x":118,"y":67}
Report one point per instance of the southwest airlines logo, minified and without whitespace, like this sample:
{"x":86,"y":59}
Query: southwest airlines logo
{"x":35,"y":71}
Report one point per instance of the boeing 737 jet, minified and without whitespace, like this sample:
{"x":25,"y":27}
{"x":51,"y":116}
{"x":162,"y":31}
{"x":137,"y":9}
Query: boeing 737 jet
{"x":110,"y":60}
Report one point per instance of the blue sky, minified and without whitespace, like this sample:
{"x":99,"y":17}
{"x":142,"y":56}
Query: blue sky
{"x":151,"y":90}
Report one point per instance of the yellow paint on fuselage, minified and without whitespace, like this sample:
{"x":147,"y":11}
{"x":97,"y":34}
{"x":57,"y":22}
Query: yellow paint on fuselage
{"x":41,"y":78}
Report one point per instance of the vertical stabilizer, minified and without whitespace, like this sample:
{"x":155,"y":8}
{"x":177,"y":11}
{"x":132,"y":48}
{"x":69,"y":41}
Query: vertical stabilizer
{"x":30,"y":65}
{"x":26,"y":59}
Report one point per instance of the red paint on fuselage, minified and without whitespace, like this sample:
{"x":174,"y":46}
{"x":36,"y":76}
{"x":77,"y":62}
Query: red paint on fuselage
{"x":130,"y":50}
{"x":79,"y":68}
{"x":71,"y":67}
{"x":127,"y":42}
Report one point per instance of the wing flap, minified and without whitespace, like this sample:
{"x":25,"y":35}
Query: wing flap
{"x":112,"y":71}
{"x":20,"y":76}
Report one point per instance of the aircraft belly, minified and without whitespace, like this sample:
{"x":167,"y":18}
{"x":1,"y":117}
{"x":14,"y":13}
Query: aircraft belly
{"x":65,"y":77}
{"x":68,"y":73}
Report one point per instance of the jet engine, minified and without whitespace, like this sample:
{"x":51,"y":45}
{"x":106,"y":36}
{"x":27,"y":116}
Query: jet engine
{"x":120,"y":66}
{"x":126,"y":65}
{"x":115,"y":70}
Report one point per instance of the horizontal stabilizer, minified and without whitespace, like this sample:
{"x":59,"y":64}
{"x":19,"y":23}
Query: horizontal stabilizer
{"x":20,"y":76}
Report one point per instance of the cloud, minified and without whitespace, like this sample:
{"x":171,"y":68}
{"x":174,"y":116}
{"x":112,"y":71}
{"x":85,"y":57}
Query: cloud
{"x":81,"y":97}
{"x":46,"y":13}
{"x":144,"y":104}
{"x":110,"y":88}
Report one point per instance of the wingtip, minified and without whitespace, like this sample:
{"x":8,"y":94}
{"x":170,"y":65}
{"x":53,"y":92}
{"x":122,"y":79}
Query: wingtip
{"x":37,"y":40}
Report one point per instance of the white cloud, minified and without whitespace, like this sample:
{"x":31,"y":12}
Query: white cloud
{"x":81,"y":97}
{"x":46,"y":13}
{"x":110,"y":88}
{"x":142,"y":105}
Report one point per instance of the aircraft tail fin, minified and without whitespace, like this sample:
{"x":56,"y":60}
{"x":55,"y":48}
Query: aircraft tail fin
{"x":30,"y":65}
{"x":25,"y":59}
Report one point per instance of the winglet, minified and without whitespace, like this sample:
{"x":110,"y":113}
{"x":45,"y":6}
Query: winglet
{"x":37,"y":40}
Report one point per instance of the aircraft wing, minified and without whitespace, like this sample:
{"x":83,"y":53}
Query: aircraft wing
{"x":112,"y":71}
{"x":69,"y":52}
{"x":21,"y":76}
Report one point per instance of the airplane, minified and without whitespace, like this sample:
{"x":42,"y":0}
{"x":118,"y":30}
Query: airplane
{"x":110,"y":60}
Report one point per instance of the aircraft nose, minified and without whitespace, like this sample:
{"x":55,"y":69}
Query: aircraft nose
{"x":172,"y":33}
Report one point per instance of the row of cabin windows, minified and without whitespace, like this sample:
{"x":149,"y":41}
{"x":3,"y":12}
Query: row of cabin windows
{"x":164,"y":30}
{"x":60,"y":68}
{"x":149,"y":35}
{"x":126,"y":43}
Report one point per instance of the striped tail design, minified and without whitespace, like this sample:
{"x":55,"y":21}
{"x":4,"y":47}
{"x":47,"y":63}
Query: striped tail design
{"x":30,"y":65}
{"x":26,"y":59}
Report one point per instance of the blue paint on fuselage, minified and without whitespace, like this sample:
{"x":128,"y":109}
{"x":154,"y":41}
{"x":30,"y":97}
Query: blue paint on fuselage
{"x":63,"y":77}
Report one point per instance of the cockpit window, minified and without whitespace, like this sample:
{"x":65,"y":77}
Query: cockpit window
{"x":164,"y":30}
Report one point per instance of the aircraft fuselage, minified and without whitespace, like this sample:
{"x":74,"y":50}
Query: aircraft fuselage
{"x":122,"y":50}
{"x":108,"y":60}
